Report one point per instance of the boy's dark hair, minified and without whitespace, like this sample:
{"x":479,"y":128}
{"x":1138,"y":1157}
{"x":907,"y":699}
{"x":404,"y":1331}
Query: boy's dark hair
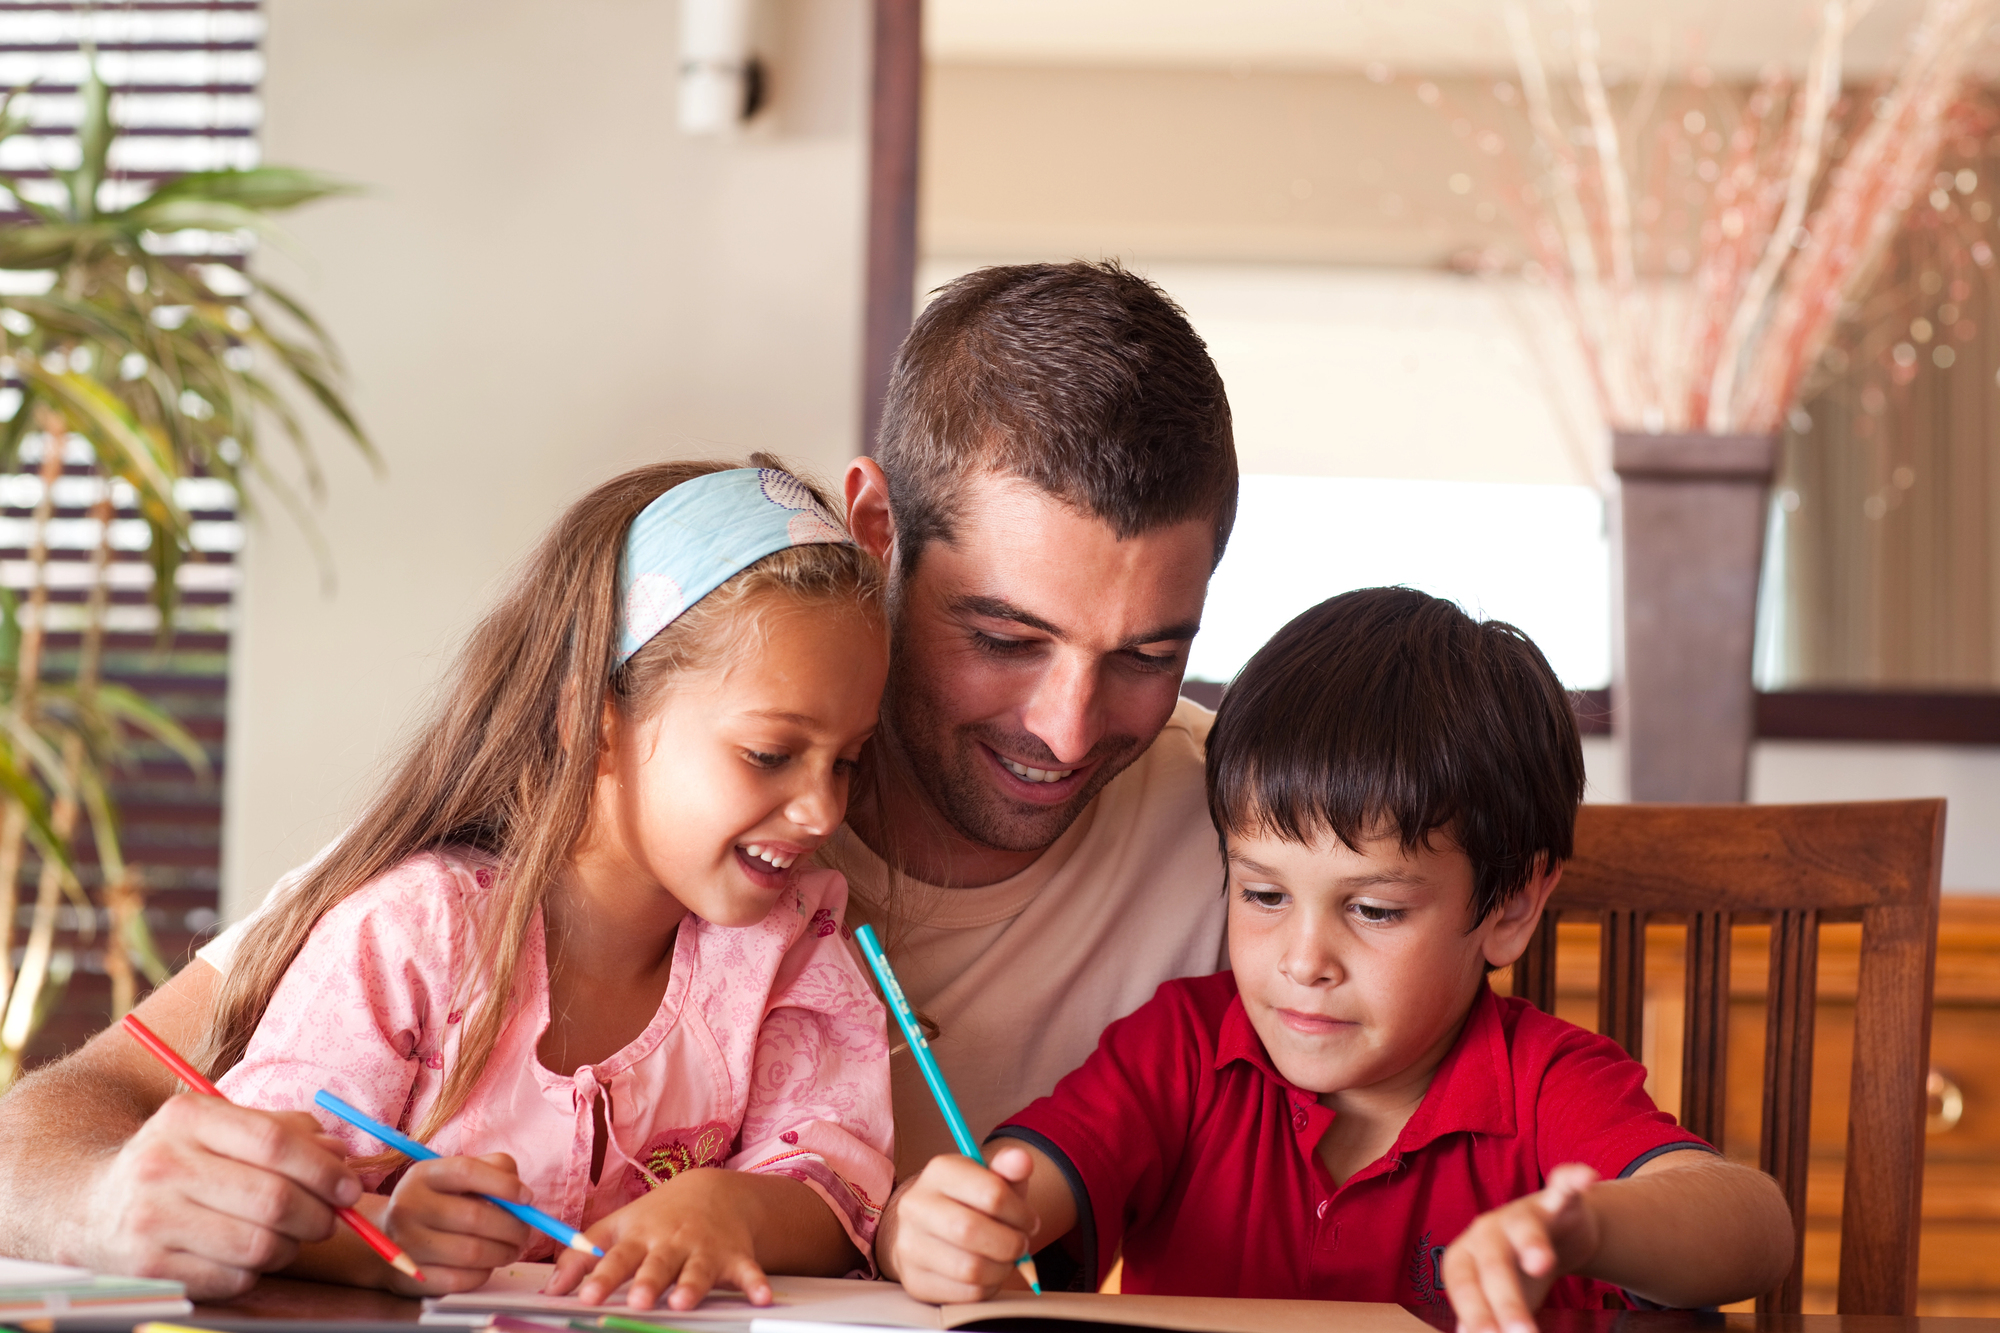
{"x":1385,"y":708}
{"x":1081,"y":378}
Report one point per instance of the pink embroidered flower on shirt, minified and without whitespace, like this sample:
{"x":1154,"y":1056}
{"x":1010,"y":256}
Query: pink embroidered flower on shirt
{"x":822,"y":923}
{"x":435,"y":1060}
{"x":483,"y":877}
{"x":673,"y":1151}
{"x":454,"y":1016}
{"x":790,"y":1136}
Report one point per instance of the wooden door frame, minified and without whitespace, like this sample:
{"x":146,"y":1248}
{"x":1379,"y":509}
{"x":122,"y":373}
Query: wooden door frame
{"x":895,"y":110}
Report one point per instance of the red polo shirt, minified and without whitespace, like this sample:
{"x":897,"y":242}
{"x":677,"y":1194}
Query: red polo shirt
{"x":1188,"y":1150}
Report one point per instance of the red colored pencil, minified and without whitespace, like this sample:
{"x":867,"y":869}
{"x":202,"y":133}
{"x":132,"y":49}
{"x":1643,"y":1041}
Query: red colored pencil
{"x":191,"y":1076}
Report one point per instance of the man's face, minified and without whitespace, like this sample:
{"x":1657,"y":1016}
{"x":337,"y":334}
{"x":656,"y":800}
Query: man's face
{"x":1036,"y":655}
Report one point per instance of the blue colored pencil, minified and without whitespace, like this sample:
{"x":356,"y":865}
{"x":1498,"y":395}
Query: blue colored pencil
{"x":409,"y":1147}
{"x":906,"y":1018}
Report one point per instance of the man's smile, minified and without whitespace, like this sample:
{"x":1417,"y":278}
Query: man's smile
{"x":1041,"y":786}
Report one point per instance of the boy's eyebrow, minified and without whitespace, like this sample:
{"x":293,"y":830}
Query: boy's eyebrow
{"x":1255,"y":867}
{"x":999,"y":608}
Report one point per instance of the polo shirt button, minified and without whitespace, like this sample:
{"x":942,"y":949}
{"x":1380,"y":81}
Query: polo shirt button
{"x":1299,"y":1121}
{"x":1322,"y":1208}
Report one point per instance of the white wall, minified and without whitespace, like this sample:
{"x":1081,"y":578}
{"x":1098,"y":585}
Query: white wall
{"x":543,"y":284}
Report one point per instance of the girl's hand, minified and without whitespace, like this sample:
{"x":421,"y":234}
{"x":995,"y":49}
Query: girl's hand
{"x":687,"y":1236}
{"x":457,"y":1238}
{"x":1499,"y":1270}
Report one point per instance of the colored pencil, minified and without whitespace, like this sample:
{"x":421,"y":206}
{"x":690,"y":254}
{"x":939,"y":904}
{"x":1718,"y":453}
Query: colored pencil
{"x":409,"y":1147}
{"x":154,"y":1326}
{"x":619,"y":1323}
{"x":191,"y":1076}
{"x":906,"y":1018}
{"x":506,"y":1323}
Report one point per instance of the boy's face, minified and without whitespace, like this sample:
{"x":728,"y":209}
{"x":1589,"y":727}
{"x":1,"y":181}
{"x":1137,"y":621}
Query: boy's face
{"x":1358,"y":967}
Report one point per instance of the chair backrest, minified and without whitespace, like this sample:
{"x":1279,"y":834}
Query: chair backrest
{"x":1793,"y":866}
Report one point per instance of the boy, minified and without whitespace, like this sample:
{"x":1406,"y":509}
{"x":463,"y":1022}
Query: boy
{"x":1351,"y":1113}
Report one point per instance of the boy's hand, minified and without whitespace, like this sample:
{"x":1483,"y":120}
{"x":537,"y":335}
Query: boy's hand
{"x":961,"y":1227}
{"x":1497,"y":1273}
{"x":457,"y":1238}
{"x":684,"y":1238}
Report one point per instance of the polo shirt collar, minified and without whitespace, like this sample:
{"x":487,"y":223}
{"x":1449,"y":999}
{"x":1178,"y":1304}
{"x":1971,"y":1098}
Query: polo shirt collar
{"x":1471,"y":1092}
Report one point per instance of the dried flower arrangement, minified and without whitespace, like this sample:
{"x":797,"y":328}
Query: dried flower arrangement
{"x":1706,"y":244}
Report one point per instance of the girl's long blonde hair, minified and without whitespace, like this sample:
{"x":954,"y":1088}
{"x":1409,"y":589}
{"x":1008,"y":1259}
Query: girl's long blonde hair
{"x":491,"y":770}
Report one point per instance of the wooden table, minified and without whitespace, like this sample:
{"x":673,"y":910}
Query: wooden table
{"x":287,"y":1298}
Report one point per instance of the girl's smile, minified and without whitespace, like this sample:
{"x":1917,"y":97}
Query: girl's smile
{"x":741,"y":773}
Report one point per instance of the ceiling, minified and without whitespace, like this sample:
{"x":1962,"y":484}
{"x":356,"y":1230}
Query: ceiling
{"x":1729,"y":37}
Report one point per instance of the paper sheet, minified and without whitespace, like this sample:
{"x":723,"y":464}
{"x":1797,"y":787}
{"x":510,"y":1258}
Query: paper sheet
{"x":517,"y":1290}
{"x":838,"y":1305}
{"x":26,"y":1273}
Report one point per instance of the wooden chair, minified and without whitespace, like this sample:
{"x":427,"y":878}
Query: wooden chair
{"x":1792,"y":866}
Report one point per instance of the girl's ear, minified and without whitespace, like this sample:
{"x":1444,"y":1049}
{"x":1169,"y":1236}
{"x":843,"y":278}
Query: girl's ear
{"x":607,"y":740}
{"x":1513,"y":923}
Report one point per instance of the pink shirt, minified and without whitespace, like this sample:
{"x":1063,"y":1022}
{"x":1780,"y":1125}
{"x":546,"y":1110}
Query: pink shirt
{"x":767,"y":1053}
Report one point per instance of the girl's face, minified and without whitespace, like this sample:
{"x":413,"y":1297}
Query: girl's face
{"x":743,"y":771}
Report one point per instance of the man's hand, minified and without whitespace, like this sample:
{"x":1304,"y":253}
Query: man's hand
{"x":960,"y":1227}
{"x":211,"y":1194}
{"x":456,"y":1237}
{"x":1500,"y":1269}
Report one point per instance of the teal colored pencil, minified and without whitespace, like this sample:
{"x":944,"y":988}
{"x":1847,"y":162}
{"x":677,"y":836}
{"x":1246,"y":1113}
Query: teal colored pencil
{"x":906,"y":1018}
{"x":409,"y":1147}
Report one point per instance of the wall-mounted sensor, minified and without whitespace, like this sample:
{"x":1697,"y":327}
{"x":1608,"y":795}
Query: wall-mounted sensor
{"x":721,"y":82}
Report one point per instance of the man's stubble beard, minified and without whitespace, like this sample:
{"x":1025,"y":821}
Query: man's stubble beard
{"x":945,"y":765}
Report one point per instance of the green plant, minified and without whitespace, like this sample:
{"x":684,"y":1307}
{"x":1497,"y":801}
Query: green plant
{"x":167,"y":365}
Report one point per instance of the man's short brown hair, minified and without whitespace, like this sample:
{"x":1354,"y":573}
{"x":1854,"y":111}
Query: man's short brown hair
{"x":1084,"y":379}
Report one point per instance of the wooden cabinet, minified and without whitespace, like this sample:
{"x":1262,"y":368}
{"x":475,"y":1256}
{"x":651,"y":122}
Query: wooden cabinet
{"x":1960,"y":1260}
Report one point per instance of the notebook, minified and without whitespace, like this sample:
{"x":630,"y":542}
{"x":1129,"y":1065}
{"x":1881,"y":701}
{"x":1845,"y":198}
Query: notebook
{"x":33,"y":1290}
{"x":834,"y":1305}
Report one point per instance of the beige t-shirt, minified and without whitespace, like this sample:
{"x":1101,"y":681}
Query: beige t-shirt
{"x":1022,"y":976}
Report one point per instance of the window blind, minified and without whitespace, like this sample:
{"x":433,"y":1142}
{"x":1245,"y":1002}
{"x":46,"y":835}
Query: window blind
{"x":184,"y":79}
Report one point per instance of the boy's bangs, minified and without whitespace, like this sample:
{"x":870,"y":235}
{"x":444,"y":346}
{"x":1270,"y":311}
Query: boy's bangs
{"x":1305,"y":797}
{"x":1388,"y":710}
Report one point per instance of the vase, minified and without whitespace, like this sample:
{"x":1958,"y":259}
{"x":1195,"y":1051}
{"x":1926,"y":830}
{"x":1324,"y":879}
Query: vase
{"x":1689,"y":535}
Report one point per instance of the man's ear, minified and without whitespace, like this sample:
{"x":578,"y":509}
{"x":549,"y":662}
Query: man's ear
{"x":1513,"y":923}
{"x":868,"y":515}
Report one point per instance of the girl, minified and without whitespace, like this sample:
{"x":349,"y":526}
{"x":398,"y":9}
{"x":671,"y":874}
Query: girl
{"x":576,"y":922}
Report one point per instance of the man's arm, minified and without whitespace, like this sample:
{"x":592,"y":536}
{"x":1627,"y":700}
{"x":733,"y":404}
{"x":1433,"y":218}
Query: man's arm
{"x":1687,"y":1229}
{"x":107,"y":1168}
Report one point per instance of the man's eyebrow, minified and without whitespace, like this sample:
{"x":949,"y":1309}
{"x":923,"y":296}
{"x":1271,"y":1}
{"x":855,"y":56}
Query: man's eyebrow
{"x":999,"y":608}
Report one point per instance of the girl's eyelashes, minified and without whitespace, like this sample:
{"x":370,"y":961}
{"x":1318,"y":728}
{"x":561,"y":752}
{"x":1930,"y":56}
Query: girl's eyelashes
{"x":762,"y":760}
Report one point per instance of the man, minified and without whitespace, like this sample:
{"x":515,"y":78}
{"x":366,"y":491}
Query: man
{"x":1054,"y":483}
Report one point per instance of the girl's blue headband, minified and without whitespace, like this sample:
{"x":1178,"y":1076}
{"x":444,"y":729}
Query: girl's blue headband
{"x":704,"y":532}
